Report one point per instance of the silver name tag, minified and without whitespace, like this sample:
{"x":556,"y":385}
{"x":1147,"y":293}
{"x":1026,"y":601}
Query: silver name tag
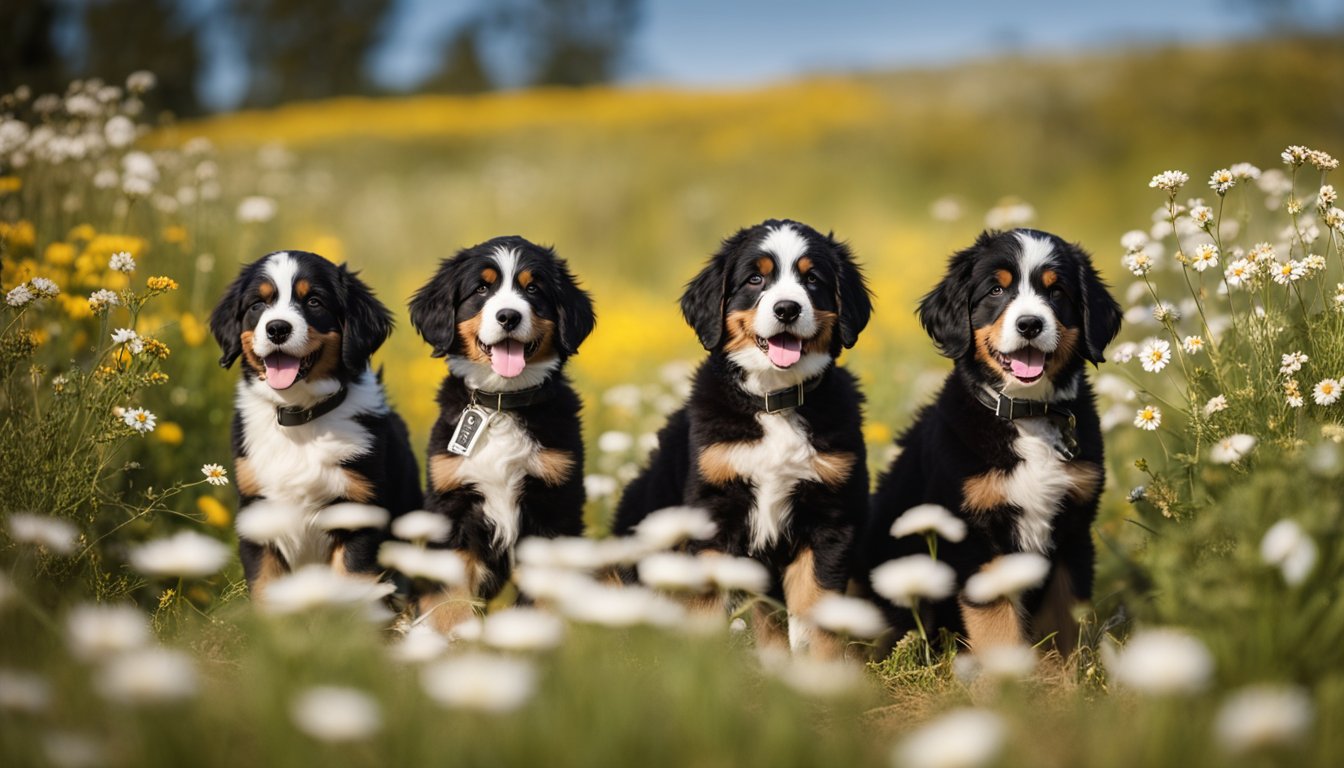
{"x":470,"y":429}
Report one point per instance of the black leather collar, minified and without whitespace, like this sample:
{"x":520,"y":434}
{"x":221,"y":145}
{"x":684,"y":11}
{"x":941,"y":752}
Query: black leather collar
{"x":790,"y":397}
{"x":294,"y":416}
{"x":504,"y":401}
{"x":1012,"y":408}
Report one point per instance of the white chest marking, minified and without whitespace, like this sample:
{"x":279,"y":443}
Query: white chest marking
{"x":1038,"y":484}
{"x":497,"y":469}
{"x":774,"y":465}
{"x":301,"y":466}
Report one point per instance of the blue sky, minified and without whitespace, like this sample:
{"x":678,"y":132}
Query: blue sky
{"x":733,"y":43}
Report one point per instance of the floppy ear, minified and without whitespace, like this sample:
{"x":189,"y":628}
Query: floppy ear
{"x":703,"y":302}
{"x":945,"y":312}
{"x":226,"y":319}
{"x":1101,"y":312}
{"x":368,"y":322}
{"x":434,"y":306}
{"x":851,"y":295}
{"x":575,"y":308}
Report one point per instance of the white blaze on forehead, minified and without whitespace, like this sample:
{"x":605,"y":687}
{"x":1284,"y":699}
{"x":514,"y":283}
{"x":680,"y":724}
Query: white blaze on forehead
{"x":506,"y":297}
{"x":281,"y":270}
{"x":787,"y":246}
{"x":1036,"y":254}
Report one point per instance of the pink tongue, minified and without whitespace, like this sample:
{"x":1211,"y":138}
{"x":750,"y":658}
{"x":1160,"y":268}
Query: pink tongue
{"x":281,"y":370}
{"x":506,"y":358}
{"x":784,"y":349}
{"x":1027,"y":363}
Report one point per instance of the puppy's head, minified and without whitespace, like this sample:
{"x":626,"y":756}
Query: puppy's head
{"x":506,"y":312}
{"x":1022,"y":311}
{"x":301,"y":324}
{"x":779,"y":297}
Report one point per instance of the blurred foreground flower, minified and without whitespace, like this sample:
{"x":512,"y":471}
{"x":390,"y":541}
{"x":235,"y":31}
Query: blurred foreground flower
{"x":184,"y":554}
{"x":1162,"y":662}
{"x":1231,"y":448}
{"x":101,"y":631}
{"x":929,"y":518}
{"x":351,"y":517}
{"x":421,"y":526}
{"x":24,"y":692}
{"x":816,"y":677}
{"x":848,"y":616}
{"x":336,"y":714}
{"x":522,"y":629}
{"x":906,"y":580}
{"x":1007,"y":576}
{"x":1262,"y":716}
{"x":147,"y":676}
{"x":56,"y":535}
{"x":963,"y":738}
{"x":480,"y":681}
{"x":666,"y":528}
{"x":674,"y":572}
{"x":1290,"y":548}
{"x":316,"y":586}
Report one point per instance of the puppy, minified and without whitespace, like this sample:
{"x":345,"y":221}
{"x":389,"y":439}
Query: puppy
{"x":506,"y":453}
{"x":770,"y":440}
{"x":1012,"y":444}
{"x":311,"y":425}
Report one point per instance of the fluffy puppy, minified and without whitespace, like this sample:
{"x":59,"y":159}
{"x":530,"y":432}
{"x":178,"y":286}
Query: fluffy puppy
{"x":311,"y":424}
{"x":1013,"y":443}
{"x":506,"y":453}
{"x":770,"y":440}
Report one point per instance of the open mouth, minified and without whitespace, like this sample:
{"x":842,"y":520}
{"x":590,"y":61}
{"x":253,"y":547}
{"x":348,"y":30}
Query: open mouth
{"x":784,"y":349}
{"x":509,"y":357}
{"x":1027,"y":364}
{"x":283,"y":370}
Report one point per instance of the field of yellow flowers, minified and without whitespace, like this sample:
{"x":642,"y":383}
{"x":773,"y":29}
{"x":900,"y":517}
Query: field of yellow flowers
{"x":1200,"y":179}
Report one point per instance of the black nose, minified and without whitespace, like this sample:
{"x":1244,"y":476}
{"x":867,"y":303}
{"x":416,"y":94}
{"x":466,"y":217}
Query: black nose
{"x":1030,"y":326}
{"x":787,"y":311}
{"x":278,"y":330}
{"x":509,"y":318}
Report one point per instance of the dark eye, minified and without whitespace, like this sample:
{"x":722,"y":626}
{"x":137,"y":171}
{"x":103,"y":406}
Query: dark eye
{"x":1056,"y":292}
{"x":258,"y":305}
{"x":531,"y":288}
{"x":812,"y":278}
{"x":756,"y":279}
{"x":313,"y":301}
{"x":996,"y":290}
{"x":482,"y":288}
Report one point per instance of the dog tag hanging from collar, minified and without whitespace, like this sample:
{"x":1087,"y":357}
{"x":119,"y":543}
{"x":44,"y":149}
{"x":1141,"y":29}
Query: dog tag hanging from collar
{"x":470,"y":429}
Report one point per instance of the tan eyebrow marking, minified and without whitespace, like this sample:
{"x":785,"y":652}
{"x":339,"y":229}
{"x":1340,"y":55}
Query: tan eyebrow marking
{"x":302,"y":287}
{"x":489,"y":275}
{"x":1004,"y":277}
{"x":765,"y":265}
{"x":804,"y":265}
{"x":1049,"y":277}
{"x":266,"y":290}
{"x":525,"y":277}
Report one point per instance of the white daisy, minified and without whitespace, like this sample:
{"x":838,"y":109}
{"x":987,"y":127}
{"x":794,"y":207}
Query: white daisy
{"x":597,"y":486}
{"x":1245,"y":172}
{"x":44,"y":287}
{"x":481,"y":682}
{"x":1216,"y":404}
{"x":1138,"y":262}
{"x":1262,"y":716}
{"x":1192,"y":345}
{"x":1231,"y":448}
{"x":317,"y":586}
{"x":1170,"y":181}
{"x":1163,"y":662}
{"x":215,"y":474}
{"x":926,"y":518}
{"x":256,"y":210}
{"x":336,"y":714}
{"x":906,"y":580}
{"x":619,"y":606}
{"x":522,"y":629}
{"x":1326,"y":196}
{"x":738,"y":573}
{"x":1292,"y":363}
{"x":673,"y":571}
{"x":1124,"y":352}
{"x":549,"y":584}
{"x":962,"y":738}
{"x":421,"y":643}
{"x":351,"y":517}
{"x":140,"y":81}
{"x":1222,"y":180}
{"x":615,"y":442}
{"x":19,"y":295}
{"x":1290,"y":548}
{"x":421,"y":526}
{"x":816,"y":677}
{"x":54,"y":534}
{"x":265,"y":522}
{"x":99,"y":631}
{"x":121,"y":261}
{"x":1286,"y":272}
{"x":1326,"y":392}
{"x":666,"y":528}
{"x":102,"y":299}
{"x":139,"y":419}
{"x":1007,"y":576}
{"x":1155,"y":354}
{"x":184,"y":554}
{"x":1134,"y":240}
{"x":439,"y":565}
{"x":848,"y":616}
{"x":147,"y":676}
{"x":1240,"y":272}
{"x":1148,"y":418}
{"x":1205,"y":256}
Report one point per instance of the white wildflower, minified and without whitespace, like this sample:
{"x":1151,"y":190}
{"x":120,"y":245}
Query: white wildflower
{"x":102,"y":299}
{"x":906,"y":580}
{"x":848,"y":616}
{"x":19,"y":295}
{"x":1231,"y":448}
{"x":1326,"y":392}
{"x":1007,"y":576}
{"x":22,"y":691}
{"x":215,"y":474}
{"x":673,"y":571}
{"x":140,"y":81}
{"x":1202,"y":215}
{"x":1170,"y":181}
{"x":522,"y":629}
{"x":439,"y":565}
{"x":615,"y":442}
{"x":336,"y":714}
{"x":479,"y":681}
{"x":121,"y":261}
{"x":597,"y":486}
{"x":1148,"y":418}
{"x":119,"y":131}
{"x":1138,"y":262}
{"x":619,"y":606}
{"x":1286,"y":272}
{"x":100,"y":631}
{"x":738,"y":573}
{"x":1295,"y":155}
{"x":1163,"y":662}
{"x":265,"y":522}
{"x":44,"y":287}
{"x":421,"y":526}
{"x":1192,"y":345}
{"x":1216,"y":404}
{"x":1240,"y":272}
{"x":1222,"y":180}
{"x":816,"y":677}
{"x":147,"y":676}
{"x":926,"y":518}
{"x":962,"y":738}
{"x":420,"y":644}
{"x":1155,"y":354}
{"x":185,"y":554}
{"x":1292,"y":363}
{"x":54,"y":534}
{"x":351,"y":517}
{"x":1245,"y":172}
{"x":1321,"y":160}
{"x":139,"y":419}
{"x":1124,"y":352}
{"x":1261,"y":716}
{"x":317,"y":586}
{"x":1290,"y":548}
{"x":666,"y":528}
{"x":1205,"y":256}
{"x":256,"y":210}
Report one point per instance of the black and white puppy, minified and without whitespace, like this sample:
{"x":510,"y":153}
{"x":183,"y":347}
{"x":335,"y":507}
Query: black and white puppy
{"x":506,"y":453}
{"x":770,"y":441}
{"x":311,"y":424}
{"x":1012,"y":444}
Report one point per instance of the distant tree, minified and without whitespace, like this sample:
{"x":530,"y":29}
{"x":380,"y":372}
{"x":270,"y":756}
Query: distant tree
{"x":123,"y":36}
{"x":28,"y":54}
{"x":307,"y":49}
{"x":463,"y":68}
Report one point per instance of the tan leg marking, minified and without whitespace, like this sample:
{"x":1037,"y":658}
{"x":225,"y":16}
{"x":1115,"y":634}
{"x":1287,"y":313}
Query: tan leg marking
{"x":357,"y":487}
{"x":769,"y":627}
{"x":245,"y":477}
{"x":445,"y":608}
{"x":1056,"y":613}
{"x":445,"y":472}
{"x":801,"y":593}
{"x":271,"y":569}
{"x":552,"y":466}
{"x":991,"y":625}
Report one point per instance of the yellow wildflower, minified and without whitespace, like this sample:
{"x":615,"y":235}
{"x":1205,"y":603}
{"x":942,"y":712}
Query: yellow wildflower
{"x":76,"y":307}
{"x":101,"y":247}
{"x":19,"y":236}
{"x":175,"y":234}
{"x":161,"y":283}
{"x":169,"y":433}
{"x":155,"y":347}
{"x":215,"y":513}
{"x":193,"y":330}
{"x":10,"y":184}
{"x":82,"y":232}
{"x":60,"y":254}
{"x":156,"y":377}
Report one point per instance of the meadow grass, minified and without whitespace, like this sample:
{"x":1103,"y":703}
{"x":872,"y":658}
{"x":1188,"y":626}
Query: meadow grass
{"x":1222,"y":525}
